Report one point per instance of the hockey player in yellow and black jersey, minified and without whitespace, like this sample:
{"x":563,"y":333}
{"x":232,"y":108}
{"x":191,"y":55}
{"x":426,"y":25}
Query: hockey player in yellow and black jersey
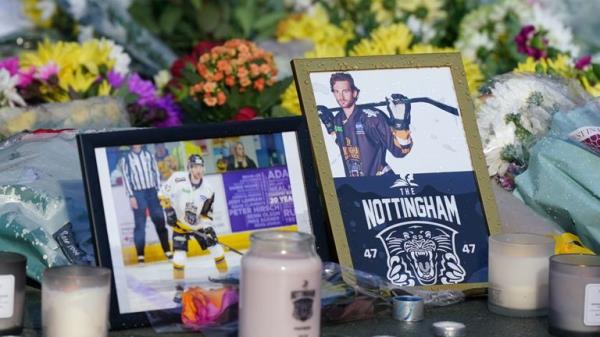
{"x":188,"y":199}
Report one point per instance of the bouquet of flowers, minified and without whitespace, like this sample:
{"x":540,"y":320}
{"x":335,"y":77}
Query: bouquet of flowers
{"x":495,"y":35}
{"x":65,"y":71}
{"x":514,"y":113}
{"x":235,"y":80}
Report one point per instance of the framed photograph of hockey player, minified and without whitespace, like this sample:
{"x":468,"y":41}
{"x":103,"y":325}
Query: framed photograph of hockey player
{"x":401,"y":168}
{"x":172,"y":209}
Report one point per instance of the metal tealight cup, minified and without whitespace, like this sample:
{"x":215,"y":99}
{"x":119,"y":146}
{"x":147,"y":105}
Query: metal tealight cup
{"x":408,"y":308}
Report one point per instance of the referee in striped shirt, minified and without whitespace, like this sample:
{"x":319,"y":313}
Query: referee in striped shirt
{"x":142,"y":182}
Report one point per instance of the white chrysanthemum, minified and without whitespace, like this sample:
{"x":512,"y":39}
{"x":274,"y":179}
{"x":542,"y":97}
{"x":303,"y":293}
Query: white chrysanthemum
{"x":77,"y":8}
{"x":559,"y":35}
{"x":533,"y":99}
{"x":421,"y":28}
{"x":121,"y":58}
{"x":8,"y":93}
{"x":47,"y":8}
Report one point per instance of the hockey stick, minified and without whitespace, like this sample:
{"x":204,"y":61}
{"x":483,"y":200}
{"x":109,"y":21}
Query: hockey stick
{"x":205,"y":237}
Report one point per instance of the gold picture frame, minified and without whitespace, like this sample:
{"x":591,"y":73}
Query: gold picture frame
{"x":358,"y":170}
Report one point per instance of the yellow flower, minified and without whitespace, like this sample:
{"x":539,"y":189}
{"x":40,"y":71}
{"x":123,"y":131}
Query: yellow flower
{"x":326,"y":50}
{"x":104,"y":88}
{"x":77,"y":81}
{"x":529,"y":66}
{"x":40,"y":12}
{"x":561,"y":65}
{"x":315,"y":28}
{"x":472,"y":71}
{"x":289,"y":100}
{"x":385,"y":40}
{"x":593,"y":90}
{"x":426,"y":10}
{"x":382,"y":14}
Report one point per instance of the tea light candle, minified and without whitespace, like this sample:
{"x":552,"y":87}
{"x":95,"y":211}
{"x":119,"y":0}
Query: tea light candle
{"x":75,"y":301}
{"x":12,"y":292}
{"x":280,"y":286}
{"x":518,"y":274}
{"x":574,"y":295}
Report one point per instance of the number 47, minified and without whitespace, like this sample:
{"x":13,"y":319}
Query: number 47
{"x":469,"y":248}
{"x":370,"y":253}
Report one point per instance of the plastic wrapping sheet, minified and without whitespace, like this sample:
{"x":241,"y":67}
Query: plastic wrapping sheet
{"x":346,"y":295}
{"x":562,"y":181}
{"x":42,"y":201}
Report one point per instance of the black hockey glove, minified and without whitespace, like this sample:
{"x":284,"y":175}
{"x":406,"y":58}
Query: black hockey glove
{"x":326,"y":117}
{"x":399,"y":121}
{"x":206,"y":237}
{"x":171,"y":216}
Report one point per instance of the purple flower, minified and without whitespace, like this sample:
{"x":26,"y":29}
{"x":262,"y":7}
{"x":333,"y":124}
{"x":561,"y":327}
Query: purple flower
{"x":114,"y":79}
{"x":532,"y":43}
{"x":145,"y":90}
{"x":11,"y":64}
{"x":171,"y":111}
{"x":583,"y":62}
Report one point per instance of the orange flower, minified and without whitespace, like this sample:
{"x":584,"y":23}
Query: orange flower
{"x":210,"y":100}
{"x":202,"y":70}
{"x":265,"y":69}
{"x":196,"y":88}
{"x":209,"y":87}
{"x":270,"y":81}
{"x":223,"y":65}
{"x":254,"y":70}
{"x":259,"y":84}
{"x":243,"y":48}
{"x":218,"y":76}
{"x":221,"y":98}
{"x":204,"y":58}
{"x":245,"y":81}
{"x":242,"y":72}
{"x":230,"y":81}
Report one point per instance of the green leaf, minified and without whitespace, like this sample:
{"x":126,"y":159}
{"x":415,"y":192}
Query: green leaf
{"x":197,"y":4}
{"x":245,"y":16}
{"x":169,"y":18}
{"x":268,"y":21}
{"x":190,"y":75}
{"x":279,"y":111}
{"x":208,"y":17}
{"x":271,"y":95}
{"x":142,"y":13}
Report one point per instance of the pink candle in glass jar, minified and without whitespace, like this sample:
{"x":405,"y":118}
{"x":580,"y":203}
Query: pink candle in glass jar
{"x":280,"y":286}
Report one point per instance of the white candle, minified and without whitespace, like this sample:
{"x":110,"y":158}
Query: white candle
{"x":518,"y":274}
{"x":280,"y":289}
{"x":75,"y":313}
{"x":75,"y":301}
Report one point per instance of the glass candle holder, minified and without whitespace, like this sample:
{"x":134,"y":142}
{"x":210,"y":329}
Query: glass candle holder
{"x":518,"y":274}
{"x":574,"y":295}
{"x":280,"y":286}
{"x":12,"y":292}
{"x":75,"y":301}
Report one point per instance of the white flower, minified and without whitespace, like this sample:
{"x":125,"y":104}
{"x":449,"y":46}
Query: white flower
{"x":86,"y":33}
{"x":121,"y":58}
{"x":161,"y":79}
{"x":559,"y":35}
{"x":8,"y":93}
{"x":534,"y":100}
{"x":77,"y":8}
{"x":47,"y":7}
{"x":419,"y":27}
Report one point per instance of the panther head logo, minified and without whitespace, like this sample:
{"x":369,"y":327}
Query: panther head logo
{"x":421,"y":253}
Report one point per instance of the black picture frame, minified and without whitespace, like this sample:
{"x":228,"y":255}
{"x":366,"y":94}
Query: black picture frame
{"x":88,"y":142}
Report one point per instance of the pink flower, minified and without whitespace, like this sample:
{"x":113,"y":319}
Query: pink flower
{"x":11,"y":64}
{"x":46,"y":71}
{"x":26,"y":77}
{"x":531,"y":42}
{"x":583,"y":62}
